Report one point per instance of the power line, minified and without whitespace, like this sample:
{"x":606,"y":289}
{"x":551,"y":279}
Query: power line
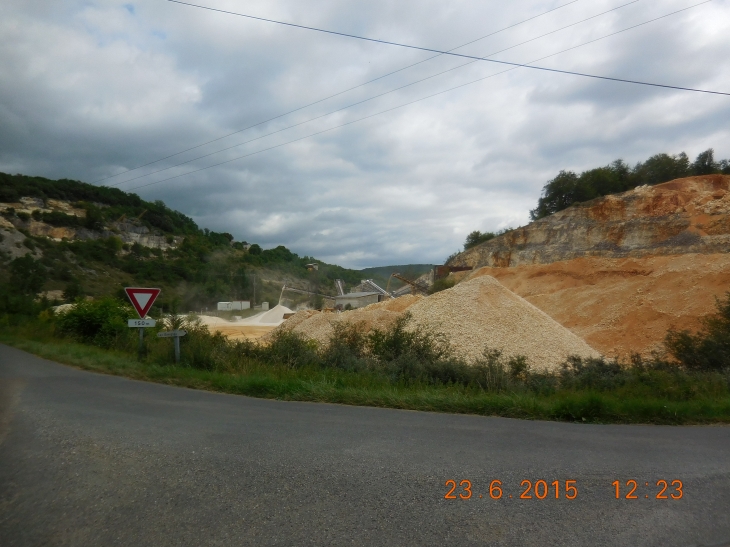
{"x":403,"y":105}
{"x":341,"y":92}
{"x":371,"y":98}
{"x":431,"y":50}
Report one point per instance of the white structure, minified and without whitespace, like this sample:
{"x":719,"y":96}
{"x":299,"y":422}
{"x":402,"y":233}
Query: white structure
{"x":235,"y":305}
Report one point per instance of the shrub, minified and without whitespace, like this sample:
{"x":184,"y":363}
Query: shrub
{"x":27,"y":275}
{"x":101,"y":323}
{"x":709,"y":349}
{"x":198,"y":348}
{"x":73,"y":291}
{"x":477,"y":238}
{"x":347,"y":348}
{"x":291,"y":350}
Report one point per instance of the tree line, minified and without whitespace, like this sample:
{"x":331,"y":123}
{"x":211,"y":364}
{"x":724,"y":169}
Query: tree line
{"x":570,"y":187}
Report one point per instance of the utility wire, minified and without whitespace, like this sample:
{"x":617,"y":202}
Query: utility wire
{"x":370,"y":98}
{"x":405,"y":104}
{"x":419,"y":48}
{"x":341,"y":92}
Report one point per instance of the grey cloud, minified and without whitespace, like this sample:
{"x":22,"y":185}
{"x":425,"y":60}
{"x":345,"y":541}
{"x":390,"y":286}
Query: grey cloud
{"x":89,"y":89}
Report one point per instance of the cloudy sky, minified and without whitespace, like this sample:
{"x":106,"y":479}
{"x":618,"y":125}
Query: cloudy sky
{"x":92,"y":89}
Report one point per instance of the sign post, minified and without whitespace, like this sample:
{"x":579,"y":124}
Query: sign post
{"x":142,"y":300}
{"x":176,"y":334}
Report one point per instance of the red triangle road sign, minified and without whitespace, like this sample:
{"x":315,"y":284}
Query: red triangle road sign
{"x":142,"y":299}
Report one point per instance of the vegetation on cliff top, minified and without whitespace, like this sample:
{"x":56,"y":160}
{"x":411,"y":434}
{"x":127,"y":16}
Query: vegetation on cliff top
{"x":569,"y":187}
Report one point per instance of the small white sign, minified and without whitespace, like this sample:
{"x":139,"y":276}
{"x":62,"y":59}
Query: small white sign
{"x":171,"y":334}
{"x":141,"y":323}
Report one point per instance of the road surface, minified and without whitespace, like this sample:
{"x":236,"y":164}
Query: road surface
{"x":89,"y":459}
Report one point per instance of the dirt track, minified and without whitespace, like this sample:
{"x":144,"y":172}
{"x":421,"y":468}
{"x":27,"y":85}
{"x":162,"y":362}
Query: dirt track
{"x":622,"y":305}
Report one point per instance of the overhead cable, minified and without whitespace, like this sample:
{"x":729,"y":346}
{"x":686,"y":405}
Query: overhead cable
{"x":432,"y":50}
{"x":343,"y":91}
{"x":397,"y":107}
{"x":370,"y":98}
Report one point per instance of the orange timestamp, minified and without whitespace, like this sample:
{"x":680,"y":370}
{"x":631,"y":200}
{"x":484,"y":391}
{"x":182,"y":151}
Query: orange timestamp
{"x":666,"y":490}
{"x":530,"y":490}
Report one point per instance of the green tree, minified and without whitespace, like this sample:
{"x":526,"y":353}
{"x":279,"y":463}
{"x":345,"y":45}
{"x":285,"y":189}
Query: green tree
{"x":558,"y":194}
{"x":255,"y":249}
{"x":73,"y":291}
{"x":476,"y":238}
{"x":94,"y":218}
{"x":705,"y":163}
{"x":662,"y":168}
{"x":27,"y":276}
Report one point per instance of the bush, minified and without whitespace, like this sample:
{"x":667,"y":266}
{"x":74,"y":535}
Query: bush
{"x":73,"y":291}
{"x":27,"y":275}
{"x":100,"y":323}
{"x":291,"y":350}
{"x":476,"y":238}
{"x":709,"y":349}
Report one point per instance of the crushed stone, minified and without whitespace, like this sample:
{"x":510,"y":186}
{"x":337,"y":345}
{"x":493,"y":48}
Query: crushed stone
{"x":472,"y":315}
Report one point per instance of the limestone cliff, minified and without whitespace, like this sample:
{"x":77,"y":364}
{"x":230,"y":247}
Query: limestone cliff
{"x":690,"y":215}
{"x":130,"y":231}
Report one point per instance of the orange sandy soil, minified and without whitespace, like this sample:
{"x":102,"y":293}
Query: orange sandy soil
{"x":242,"y":331}
{"x":626,"y":305}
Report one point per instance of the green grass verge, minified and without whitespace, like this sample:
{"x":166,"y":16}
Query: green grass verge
{"x":334,"y":386}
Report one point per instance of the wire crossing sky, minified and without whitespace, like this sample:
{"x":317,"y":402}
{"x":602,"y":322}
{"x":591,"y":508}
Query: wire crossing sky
{"x":347,"y":90}
{"x":486,"y":59}
{"x":366,"y":100}
{"x":358,"y":153}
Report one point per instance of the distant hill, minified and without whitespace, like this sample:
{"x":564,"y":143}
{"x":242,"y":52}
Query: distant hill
{"x":78,"y":239}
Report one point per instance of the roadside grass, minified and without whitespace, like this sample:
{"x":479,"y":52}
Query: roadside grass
{"x":623,"y":405}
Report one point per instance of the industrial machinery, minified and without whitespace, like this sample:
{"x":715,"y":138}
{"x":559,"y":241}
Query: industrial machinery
{"x":416,"y":286}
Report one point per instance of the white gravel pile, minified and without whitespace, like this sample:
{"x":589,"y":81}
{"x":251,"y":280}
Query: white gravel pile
{"x":483,"y":312}
{"x":472,"y":315}
{"x":271,"y":318}
{"x":319,"y":326}
{"x":274,"y":316}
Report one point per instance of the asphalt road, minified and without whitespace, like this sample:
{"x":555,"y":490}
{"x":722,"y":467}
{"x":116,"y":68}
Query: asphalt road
{"x":88,"y":459}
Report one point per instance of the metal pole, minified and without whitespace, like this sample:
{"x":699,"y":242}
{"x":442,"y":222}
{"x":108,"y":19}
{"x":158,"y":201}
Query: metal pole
{"x":141,"y":342}
{"x":177,"y":349}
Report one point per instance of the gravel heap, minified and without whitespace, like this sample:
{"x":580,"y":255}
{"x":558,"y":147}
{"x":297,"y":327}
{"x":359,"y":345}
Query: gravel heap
{"x":483,"y":312}
{"x":274,"y":315}
{"x":319,"y":325}
{"x":472,"y":315}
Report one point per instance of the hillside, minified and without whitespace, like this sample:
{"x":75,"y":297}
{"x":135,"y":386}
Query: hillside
{"x":622,"y":269}
{"x":622,"y":305}
{"x":69,"y":239}
{"x":689,"y":215}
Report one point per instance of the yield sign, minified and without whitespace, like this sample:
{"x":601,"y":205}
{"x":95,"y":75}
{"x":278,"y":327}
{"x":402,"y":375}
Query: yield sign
{"x":142,"y":299}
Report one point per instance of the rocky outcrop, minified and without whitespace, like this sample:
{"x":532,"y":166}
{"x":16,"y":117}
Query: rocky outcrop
{"x":690,"y":215}
{"x":129,"y":231}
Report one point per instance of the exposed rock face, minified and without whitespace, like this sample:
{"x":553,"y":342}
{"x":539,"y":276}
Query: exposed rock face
{"x":11,"y":244}
{"x":690,"y":215}
{"x":129,"y":231}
